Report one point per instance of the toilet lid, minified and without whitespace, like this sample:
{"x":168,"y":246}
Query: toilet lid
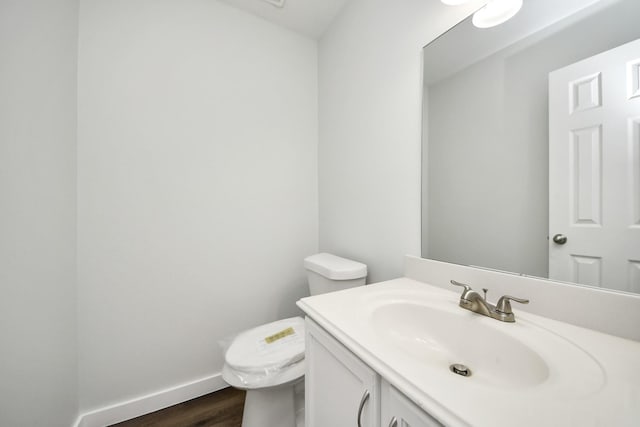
{"x":268,"y":348}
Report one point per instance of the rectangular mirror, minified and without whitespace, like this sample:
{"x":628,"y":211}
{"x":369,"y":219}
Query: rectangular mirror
{"x":531,"y":144}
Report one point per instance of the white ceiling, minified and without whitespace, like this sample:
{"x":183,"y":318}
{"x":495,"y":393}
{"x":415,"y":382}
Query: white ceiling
{"x":308,"y":17}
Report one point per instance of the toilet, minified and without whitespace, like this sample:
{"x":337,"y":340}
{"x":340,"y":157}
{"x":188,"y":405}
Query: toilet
{"x":268,"y":361}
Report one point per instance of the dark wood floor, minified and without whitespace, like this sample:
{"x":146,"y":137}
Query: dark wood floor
{"x":220,"y":409}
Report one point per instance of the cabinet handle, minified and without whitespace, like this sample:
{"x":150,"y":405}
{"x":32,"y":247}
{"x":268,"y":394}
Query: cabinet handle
{"x":394,"y":422}
{"x":364,"y":399}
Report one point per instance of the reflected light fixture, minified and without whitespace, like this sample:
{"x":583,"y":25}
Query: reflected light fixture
{"x":496,"y":12}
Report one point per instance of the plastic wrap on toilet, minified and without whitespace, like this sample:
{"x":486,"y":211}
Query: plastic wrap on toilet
{"x":259,"y":356}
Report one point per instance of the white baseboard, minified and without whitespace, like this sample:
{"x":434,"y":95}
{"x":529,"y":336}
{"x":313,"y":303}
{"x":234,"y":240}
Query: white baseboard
{"x":152,"y":402}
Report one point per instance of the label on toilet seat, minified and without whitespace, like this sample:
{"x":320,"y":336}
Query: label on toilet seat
{"x":284,"y":340}
{"x":275,"y":337}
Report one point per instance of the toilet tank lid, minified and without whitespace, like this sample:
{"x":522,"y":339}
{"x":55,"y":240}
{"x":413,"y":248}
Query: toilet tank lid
{"x":335,"y":268}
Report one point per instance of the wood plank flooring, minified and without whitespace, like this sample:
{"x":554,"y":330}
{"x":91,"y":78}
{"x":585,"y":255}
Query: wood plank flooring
{"x":220,"y":409}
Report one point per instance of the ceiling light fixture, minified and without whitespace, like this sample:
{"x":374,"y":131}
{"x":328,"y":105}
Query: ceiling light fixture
{"x":496,"y":12}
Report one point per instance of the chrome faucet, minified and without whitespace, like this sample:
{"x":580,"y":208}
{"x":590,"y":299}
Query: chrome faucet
{"x":473,"y":301}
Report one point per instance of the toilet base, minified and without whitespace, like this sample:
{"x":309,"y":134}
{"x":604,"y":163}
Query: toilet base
{"x":273,"y":407}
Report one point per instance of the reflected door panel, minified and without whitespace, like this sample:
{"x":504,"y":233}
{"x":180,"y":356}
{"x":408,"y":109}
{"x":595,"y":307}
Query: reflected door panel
{"x":594,"y":170}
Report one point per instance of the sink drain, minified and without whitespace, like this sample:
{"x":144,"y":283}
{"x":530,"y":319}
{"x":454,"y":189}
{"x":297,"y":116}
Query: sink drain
{"x":460,"y":369}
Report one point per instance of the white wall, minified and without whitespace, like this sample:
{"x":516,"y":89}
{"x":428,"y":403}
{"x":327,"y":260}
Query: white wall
{"x":370,"y":126}
{"x":197,"y":194}
{"x":38,"y":365}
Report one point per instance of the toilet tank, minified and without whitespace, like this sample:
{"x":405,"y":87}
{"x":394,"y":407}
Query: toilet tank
{"x":329,"y":273}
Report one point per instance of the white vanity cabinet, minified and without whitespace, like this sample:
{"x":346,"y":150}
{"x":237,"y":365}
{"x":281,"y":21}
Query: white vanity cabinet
{"x":396,"y":340}
{"x":340,"y":390}
{"x":398,"y":411}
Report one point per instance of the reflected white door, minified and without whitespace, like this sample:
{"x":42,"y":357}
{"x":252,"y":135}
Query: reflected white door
{"x":594,"y":170}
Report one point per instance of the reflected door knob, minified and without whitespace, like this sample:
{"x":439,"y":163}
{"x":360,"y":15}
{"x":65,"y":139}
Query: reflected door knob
{"x":559,"y":239}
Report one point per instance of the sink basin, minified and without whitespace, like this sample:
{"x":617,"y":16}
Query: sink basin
{"x":500,"y":355}
{"x":444,"y":338}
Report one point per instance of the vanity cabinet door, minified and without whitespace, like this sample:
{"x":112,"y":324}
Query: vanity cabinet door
{"x":341,"y":391}
{"x":398,"y":411}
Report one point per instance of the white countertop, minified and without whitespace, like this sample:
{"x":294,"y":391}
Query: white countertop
{"x":603,"y":391}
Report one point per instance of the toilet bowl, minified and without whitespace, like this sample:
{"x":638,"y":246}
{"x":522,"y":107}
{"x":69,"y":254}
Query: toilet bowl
{"x":268,"y":361}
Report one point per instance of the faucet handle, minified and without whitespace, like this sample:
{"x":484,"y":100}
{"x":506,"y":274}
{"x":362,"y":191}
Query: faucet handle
{"x":504,"y":306}
{"x":466,"y":287}
{"x":466,"y":291}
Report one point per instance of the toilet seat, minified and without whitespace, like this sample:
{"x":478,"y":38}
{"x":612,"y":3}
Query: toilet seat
{"x":267,"y":355}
